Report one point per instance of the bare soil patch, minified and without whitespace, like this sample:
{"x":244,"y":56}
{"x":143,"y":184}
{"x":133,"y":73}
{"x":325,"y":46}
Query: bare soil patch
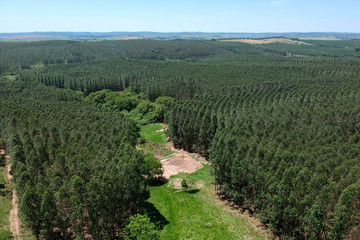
{"x":180,"y":161}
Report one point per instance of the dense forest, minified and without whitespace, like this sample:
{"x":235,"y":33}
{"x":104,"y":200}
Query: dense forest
{"x":279,"y":123}
{"x":67,"y":158}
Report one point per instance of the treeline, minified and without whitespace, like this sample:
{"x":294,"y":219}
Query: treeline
{"x":169,"y":50}
{"x":16,"y":56}
{"x":77,"y":172}
{"x":338,"y":48}
{"x":26,"y":55}
{"x":186,"y":79}
{"x":318,"y":49}
{"x":151,"y":78}
{"x":289,"y":153}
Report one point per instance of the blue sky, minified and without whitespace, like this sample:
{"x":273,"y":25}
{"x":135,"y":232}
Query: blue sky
{"x":181,"y":15}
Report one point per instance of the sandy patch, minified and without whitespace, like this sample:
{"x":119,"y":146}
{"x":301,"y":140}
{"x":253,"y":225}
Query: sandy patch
{"x":180,"y":161}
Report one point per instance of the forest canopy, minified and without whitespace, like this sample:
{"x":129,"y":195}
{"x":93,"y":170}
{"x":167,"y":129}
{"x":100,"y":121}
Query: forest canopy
{"x":279,"y":123}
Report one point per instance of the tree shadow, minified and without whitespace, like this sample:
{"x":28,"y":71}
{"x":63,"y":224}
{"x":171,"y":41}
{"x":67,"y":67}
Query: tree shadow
{"x":155,"y":216}
{"x":192,"y":191}
{"x":2,"y":160}
{"x":156,"y":182}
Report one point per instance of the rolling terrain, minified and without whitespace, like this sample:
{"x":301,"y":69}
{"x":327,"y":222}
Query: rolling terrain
{"x":271,"y":129}
{"x":89,"y":36}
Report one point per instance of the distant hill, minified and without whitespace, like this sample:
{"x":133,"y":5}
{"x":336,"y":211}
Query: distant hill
{"x":88,"y":36}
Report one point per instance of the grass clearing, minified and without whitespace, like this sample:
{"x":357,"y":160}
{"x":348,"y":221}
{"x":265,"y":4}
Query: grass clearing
{"x":155,"y":141}
{"x":39,"y":65}
{"x":197,"y":214}
{"x":158,"y":150}
{"x":9,"y":77}
{"x":151,"y":134}
{"x":194,"y":213}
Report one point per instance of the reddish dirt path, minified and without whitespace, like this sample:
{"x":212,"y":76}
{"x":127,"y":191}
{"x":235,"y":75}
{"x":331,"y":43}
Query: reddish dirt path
{"x":15,"y":223}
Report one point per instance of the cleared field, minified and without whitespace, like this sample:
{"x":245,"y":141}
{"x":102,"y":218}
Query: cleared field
{"x":152,"y":133}
{"x":268,"y":40}
{"x":194,"y":212}
{"x":197,"y":213}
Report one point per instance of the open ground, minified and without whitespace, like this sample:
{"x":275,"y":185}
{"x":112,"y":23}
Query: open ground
{"x":268,"y":40}
{"x":195,"y":212}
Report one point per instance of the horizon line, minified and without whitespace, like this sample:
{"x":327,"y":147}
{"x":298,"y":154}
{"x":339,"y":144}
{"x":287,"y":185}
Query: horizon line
{"x":50,"y":31}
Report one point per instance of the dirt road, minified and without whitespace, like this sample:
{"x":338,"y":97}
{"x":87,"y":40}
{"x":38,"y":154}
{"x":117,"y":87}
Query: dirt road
{"x":15,"y":224}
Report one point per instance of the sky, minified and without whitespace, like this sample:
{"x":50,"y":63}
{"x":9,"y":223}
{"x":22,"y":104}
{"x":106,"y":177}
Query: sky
{"x":180,"y":15}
